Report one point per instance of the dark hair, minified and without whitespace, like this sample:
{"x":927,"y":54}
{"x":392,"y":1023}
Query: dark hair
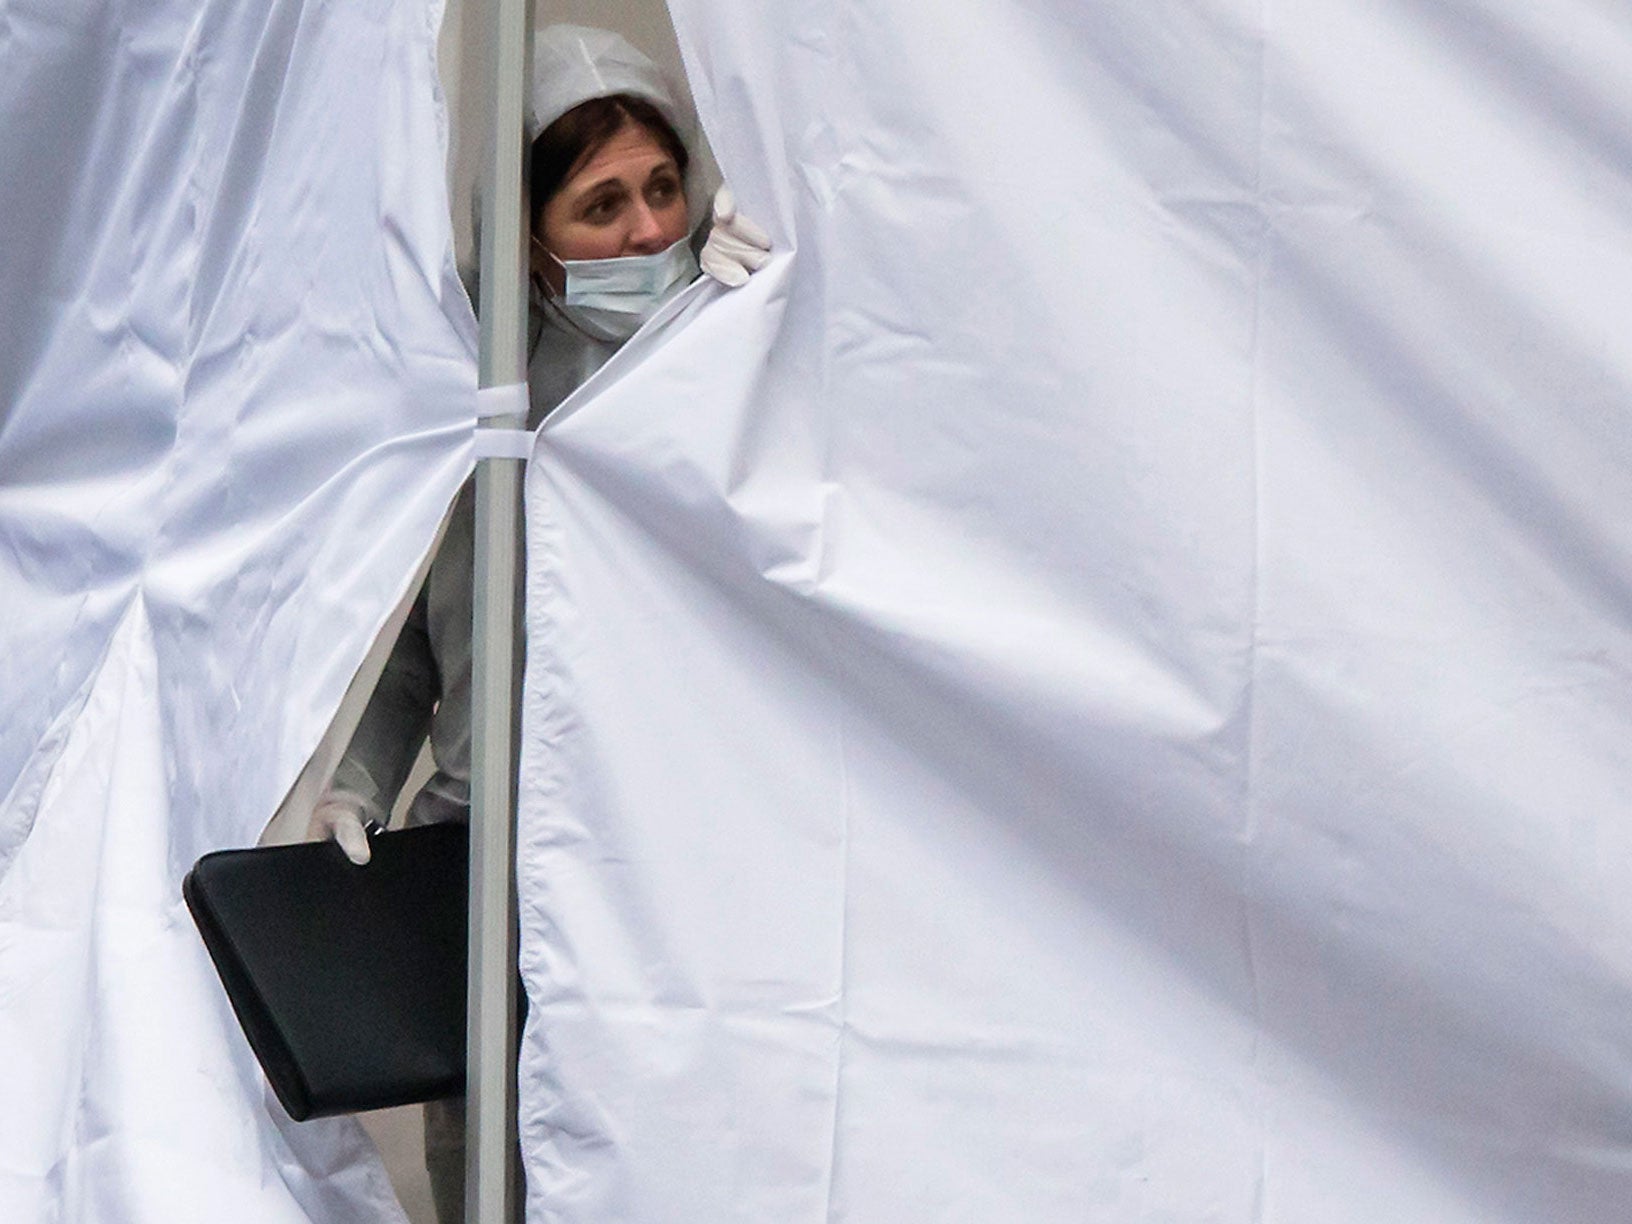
{"x":580,"y":133}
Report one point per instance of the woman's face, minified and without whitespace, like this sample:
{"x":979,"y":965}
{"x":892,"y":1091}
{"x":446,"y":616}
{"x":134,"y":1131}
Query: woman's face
{"x":627,"y":199}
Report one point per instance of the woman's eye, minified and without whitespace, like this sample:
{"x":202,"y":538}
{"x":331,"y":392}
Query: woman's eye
{"x":602,"y":210}
{"x":662,"y":191}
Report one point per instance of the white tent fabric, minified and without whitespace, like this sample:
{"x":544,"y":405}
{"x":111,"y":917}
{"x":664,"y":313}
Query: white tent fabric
{"x":237,"y":376}
{"x":1099,"y":686}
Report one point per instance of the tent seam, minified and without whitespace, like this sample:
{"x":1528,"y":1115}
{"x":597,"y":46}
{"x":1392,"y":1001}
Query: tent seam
{"x":1250,"y":764}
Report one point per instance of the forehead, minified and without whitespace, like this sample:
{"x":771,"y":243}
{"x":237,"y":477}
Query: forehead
{"x":631,"y":155}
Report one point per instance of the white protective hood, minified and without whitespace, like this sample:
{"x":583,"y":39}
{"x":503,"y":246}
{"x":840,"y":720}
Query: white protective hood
{"x":574,"y":63}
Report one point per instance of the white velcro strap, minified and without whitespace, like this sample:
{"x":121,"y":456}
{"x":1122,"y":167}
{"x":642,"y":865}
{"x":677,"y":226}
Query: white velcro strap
{"x":504,"y":443}
{"x":510,"y":400}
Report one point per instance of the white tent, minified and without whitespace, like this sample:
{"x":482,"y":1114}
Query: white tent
{"x":1095,"y":688}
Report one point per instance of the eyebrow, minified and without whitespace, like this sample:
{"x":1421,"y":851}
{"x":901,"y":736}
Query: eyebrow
{"x":666,"y":167}
{"x":614,"y":183}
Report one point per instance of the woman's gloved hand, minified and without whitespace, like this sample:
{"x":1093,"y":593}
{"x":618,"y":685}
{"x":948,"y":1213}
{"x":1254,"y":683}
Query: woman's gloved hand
{"x":736,"y":247}
{"x":337,"y":820}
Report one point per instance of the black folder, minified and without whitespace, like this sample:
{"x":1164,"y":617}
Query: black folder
{"x":348,"y":981}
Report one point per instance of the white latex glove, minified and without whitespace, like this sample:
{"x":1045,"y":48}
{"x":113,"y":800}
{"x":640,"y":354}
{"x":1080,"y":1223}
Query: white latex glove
{"x":334,"y":820}
{"x":736,"y":247}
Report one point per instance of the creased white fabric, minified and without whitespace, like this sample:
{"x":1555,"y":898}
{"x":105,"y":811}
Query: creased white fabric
{"x":1099,"y":685}
{"x":237,"y":380}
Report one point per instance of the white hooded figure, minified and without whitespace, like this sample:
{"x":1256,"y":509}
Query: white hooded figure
{"x":595,"y":283}
{"x":614,"y":237}
{"x":573,"y":65}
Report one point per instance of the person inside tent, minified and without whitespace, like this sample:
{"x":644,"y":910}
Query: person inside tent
{"x":612,"y":240}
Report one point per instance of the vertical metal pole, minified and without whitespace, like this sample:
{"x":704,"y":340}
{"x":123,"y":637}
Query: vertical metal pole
{"x":491,"y":1175}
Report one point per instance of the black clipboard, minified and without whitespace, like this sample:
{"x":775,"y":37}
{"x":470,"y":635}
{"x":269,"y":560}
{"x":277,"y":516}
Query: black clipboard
{"x":349,"y":981}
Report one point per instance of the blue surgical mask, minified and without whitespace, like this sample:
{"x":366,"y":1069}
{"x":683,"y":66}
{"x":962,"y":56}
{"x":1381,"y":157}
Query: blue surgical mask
{"x":610,"y":298}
